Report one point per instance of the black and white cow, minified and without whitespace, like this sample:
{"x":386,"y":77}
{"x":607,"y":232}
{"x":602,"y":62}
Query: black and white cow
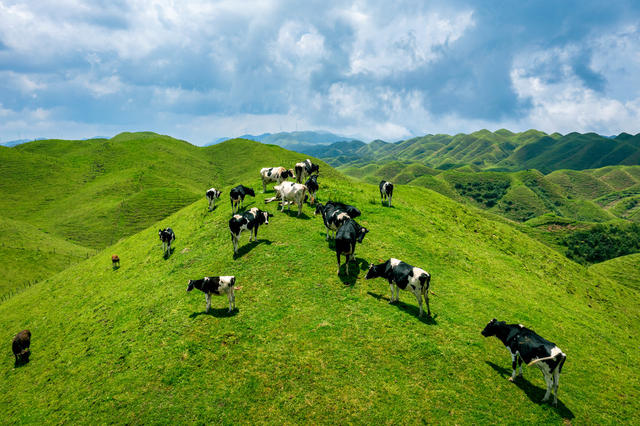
{"x":346,"y":237}
{"x":290,"y":193}
{"x":274,"y":174}
{"x":237,"y":195}
{"x":312,"y":187}
{"x":218,"y":286}
{"x":332,"y":216}
{"x":386,"y":191}
{"x":525,"y":345}
{"x":352,"y":211}
{"x":304,"y":169}
{"x":247,"y":221}
{"x":212,"y":195}
{"x":403,"y":276}
{"x":167,"y":237}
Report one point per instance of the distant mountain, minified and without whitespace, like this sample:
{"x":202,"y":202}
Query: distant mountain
{"x":292,"y":140}
{"x":500,"y":150}
{"x":19,"y":142}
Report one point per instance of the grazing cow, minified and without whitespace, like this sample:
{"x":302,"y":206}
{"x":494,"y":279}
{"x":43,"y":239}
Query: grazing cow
{"x":332,"y":217}
{"x":274,"y":174}
{"x":218,"y":286}
{"x":115,"y":261}
{"x":403,"y":276}
{"x":386,"y":191}
{"x":20,"y":345}
{"x":250,"y":221}
{"x":525,"y":345}
{"x":346,"y":237}
{"x":237,"y":195}
{"x":290,"y":193}
{"x":350,"y":210}
{"x":167,"y":237}
{"x":312,"y":187}
{"x":304,"y":169}
{"x":212,"y":195}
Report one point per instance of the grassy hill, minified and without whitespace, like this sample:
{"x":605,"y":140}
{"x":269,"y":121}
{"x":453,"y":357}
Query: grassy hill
{"x":305,"y":345}
{"x":30,"y":255}
{"x":500,"y":150}
{"x":623,"y":270}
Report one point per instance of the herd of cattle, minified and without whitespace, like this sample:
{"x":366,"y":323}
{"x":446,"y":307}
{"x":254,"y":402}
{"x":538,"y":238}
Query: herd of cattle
{"x":339,"y":218}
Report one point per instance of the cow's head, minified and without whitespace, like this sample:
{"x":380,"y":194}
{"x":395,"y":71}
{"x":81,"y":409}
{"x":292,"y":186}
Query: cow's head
{"x":314,"y":168}
{"x":218,"y":193}
{"x":190,"y":286}
{"x":491,"y":328}
{"x":287,"y":174}
{"x":249,"y":191}
{"x":160,"y":232}
{"x":373,"y":271}
{"x":361,"y":233}
{"x":319,"y":209}
{"x":265,"y":217}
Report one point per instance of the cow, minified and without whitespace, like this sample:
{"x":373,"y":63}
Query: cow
{"x":403,"y":276}
{"x":167,"y":237}
{"x":237,"y":195}
{"x":386,"y":191}
{"x":332,"y":216}
{"x":304,"y":169}
{"x":346,"y":237}
{"x":525,"y":345}
{"x":249,"y":220}
{"x":312,"y":187}
{"x":290,"y":193}
{"x":115,"y":261}
{"x":218,"y":286}
{"x":274,"y":174}
{"x":352,"y":211}
{"x":21,"y":346}
{"x":212,"y":195}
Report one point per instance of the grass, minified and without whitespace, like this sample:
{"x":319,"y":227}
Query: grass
{"x":306,"y":345}
{"x":621,"y":269}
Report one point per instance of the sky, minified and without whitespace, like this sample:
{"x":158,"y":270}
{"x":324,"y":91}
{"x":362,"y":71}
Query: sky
{"x":202,"y":70}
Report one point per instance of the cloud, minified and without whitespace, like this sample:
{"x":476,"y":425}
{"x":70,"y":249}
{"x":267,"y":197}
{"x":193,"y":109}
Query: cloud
{"x":368,"y":69}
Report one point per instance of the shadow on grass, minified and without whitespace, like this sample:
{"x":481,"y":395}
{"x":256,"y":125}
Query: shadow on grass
{"x":213,"y":209}
{"x":115,"y":268}
{"x":354,"y":270}
{"x":218,"y":313}
{"x":410,"y":309}
{"x":248,"y":247}
{"x":167,"y":254}
{"x":294,"y":214}
{"x":534,"y":393}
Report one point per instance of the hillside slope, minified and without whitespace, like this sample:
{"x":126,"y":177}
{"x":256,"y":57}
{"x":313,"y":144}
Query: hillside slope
{"x":132,"y":345}
{"x":624,"y":270}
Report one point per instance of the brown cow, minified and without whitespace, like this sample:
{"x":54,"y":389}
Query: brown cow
{"x":20,"y":346}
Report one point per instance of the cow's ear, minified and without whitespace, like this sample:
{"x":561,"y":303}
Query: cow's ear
{"x":494,"y":320}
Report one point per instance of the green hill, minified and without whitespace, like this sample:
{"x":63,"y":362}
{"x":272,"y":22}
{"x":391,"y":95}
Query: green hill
{"x":623,"y":270}
{"x":30,"y":255}
{"x":133,"y":346}
{"x":501,"y":150}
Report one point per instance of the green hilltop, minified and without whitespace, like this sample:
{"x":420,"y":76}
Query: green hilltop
{"x":305,"y":345}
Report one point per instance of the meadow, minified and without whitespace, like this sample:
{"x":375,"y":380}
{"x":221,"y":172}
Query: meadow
{"x":306,"y":345}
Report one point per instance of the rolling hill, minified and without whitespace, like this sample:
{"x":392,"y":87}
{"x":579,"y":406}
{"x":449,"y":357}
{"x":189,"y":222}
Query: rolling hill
{"x":500,"y":150}
{"x":305,"y":345}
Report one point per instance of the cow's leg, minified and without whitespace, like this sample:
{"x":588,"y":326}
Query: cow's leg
{"x":233,"y":297}
{"x":300,"y":208}
{"x":549,"y":381}
{"x":513,"y":366}
{"x":234,"y":240}
{"x":418,"y":296}
{"x":391,"y":287}
{"x":264,"y":186}
{"x":327,"y":239}
{"x":556,"y":382}
{"x":389,"y":200}
{"x":208,"y":296}
{"x":520,"y":365}
{"x":255,"y":236}
{"x":426,"y":301}
{"x":230,"y":297}
{"x":338,"y":255}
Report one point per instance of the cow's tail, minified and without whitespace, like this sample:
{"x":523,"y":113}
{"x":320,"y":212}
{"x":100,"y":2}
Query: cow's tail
{"x":535,"y":361}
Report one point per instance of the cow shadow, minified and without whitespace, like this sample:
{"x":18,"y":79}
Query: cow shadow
{"x":354,"y":270}
{"x":167,"y":254}
{"x":410,"y":309}
{"x":534,"y":393}
{"x":115,"y":267}
{"x":294,"y":214}
{"x":248,"y":247}
{"x":213,"y":209}
{"x":218,"y":313}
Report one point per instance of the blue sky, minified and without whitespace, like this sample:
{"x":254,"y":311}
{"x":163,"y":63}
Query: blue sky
{"x":200,"y":70}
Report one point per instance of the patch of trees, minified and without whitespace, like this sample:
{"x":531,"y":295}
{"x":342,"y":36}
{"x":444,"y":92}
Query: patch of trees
{"x":486,"y":192}
{"x":603,"y":242}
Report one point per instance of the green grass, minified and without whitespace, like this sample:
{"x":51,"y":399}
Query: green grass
{"x":132,"y":346}
{"x":623,"y":270}
{"x":30,"y":255}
